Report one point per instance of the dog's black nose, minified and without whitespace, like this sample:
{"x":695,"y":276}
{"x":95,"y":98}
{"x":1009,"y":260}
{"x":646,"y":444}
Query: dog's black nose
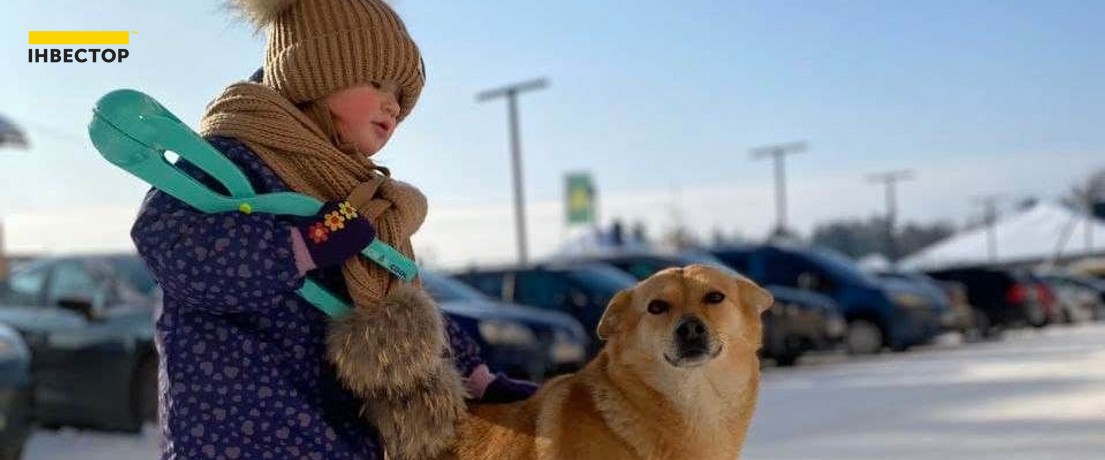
{"x":691,"y":330}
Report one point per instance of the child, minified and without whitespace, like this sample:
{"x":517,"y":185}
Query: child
{"x":248,"y":368}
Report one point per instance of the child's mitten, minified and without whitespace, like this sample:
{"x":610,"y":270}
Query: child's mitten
{"x":504,"y":389}
{"x":335,"y":234}
{"x":483,"y":386}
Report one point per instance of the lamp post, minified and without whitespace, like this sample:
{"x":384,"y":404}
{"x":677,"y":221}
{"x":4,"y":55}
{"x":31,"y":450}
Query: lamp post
{"x":510,"y":92}
{"x":777,"y":153}
{"x":890,"y":180}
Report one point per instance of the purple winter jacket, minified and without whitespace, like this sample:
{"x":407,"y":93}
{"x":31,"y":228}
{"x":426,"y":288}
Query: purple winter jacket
{"x":243,"y":370}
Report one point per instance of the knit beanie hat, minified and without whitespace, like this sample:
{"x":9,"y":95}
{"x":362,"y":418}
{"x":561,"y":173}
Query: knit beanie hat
{"x":318,"y":47}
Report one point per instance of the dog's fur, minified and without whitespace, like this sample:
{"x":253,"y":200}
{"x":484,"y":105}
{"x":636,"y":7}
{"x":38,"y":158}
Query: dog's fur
{"x":643,"y":396}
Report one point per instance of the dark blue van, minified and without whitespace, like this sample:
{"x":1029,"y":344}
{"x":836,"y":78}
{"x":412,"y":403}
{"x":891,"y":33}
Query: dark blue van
{"x":895,"y":315}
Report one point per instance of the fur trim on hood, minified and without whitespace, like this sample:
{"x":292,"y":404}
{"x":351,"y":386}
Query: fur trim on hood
{"x":394,"y":359}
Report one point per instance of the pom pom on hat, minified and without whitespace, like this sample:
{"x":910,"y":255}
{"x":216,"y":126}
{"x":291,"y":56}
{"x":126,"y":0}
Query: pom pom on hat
{"x":261,"y":12}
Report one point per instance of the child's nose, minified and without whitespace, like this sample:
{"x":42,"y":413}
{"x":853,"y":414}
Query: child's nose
{"x":391,"y":104}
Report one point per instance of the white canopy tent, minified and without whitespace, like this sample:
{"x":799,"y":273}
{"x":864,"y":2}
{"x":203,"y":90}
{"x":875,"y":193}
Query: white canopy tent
{"x":1044,"y":232}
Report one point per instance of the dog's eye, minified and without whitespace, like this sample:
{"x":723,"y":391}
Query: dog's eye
{"x":657,"y":307}
{"x":714,"y":297}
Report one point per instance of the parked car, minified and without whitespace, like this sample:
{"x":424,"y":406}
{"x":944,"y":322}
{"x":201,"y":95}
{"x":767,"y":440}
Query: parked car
{"x":88,"y":324}
{"x":15,"y":393}
{"x":1005,"y":298}
{"x":523,"y":342}
{"x":582,"y":290}
{"x":952,"y":295}
{"x":800,"y":321}
{"x":879,"y":314}
{"x":1094,"y":284}
{"x":1079,"y":299}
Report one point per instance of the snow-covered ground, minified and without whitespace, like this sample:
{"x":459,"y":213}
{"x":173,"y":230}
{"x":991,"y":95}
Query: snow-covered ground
{"x":1034,"y":395}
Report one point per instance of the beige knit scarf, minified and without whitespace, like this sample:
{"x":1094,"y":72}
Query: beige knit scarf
{"x":299,"y":151}
{"x":389,"y":349}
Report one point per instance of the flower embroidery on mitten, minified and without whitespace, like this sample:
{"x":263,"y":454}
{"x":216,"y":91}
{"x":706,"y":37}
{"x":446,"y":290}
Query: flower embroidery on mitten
{"x":318,"y":233}
{"x":347,"y":210}
{"x":334,"y":221}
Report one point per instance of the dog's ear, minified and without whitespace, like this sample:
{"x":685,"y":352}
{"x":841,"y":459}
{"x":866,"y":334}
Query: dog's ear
{"x":751,"y":294}
{"x":614,"y":310}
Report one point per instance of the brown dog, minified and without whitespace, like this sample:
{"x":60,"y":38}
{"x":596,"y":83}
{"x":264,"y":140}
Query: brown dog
{"x":678,"y":378}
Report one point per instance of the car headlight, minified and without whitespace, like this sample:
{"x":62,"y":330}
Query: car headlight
{"x":566,"y":348}
{"x":908,"y":300}
{"x":507,"y":333}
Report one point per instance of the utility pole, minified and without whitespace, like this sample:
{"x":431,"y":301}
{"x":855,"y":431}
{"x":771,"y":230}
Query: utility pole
{"x":989,"y":204}
{"x":11,"y":135}
{"x":778,"y":152}
{"x":510,"y":92}
{"x":1087,"y":203}
{"x":890,"y":180}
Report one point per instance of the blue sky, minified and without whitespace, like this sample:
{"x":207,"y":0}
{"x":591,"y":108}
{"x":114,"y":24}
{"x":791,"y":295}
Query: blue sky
{"x":650,"y":96}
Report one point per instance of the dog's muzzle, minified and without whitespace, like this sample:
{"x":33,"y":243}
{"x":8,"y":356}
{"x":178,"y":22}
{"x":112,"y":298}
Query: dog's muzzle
{"x":692,"y":343}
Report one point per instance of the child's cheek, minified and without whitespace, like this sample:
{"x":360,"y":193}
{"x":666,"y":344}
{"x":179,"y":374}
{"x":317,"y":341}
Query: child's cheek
{"x":355,"y":118}
{"x":354,"y":126}
{"x":357,"y":109}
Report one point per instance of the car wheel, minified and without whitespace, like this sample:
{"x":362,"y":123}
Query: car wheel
{"x":144,"y":397}
{"x":1068,"y":318}
{"x":981,"y":328}
{"x":863,"y":337}
{"x":1037,"y":317}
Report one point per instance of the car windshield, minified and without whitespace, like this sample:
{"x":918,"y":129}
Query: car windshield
{"x":445,"y":289}
{"x":133,"y":273}
{"x":842,"y":265}
{"x":601,"y":279}
{"x":27,"y":266}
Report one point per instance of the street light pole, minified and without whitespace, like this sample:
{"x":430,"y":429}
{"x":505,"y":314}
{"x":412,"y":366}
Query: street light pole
{"x":890,"y":180}
{"x":777,"y":152}
{"x":510,"y":92}
{"x":12,"y":136}
{"x":990,"y":206}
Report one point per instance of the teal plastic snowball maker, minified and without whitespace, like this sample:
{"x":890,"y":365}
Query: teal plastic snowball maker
{"x":133,"y":131}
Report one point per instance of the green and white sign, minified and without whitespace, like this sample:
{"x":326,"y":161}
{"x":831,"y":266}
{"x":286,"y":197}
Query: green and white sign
{"x":581,"y":198}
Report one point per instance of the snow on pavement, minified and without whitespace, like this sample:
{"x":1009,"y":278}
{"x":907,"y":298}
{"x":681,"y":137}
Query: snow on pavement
{"x":1034,"y":395}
